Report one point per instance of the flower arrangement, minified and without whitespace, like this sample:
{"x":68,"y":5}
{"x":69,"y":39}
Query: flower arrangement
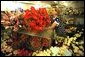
{"x":36,"y":20}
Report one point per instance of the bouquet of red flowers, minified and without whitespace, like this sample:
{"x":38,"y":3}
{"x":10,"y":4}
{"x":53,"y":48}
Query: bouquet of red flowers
{"x":36,"y":20}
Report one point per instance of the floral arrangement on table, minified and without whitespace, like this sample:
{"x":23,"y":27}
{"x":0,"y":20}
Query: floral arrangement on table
{"x":36,"y":20}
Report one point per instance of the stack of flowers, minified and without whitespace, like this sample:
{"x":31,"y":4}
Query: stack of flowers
{"x":37,"y":20}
